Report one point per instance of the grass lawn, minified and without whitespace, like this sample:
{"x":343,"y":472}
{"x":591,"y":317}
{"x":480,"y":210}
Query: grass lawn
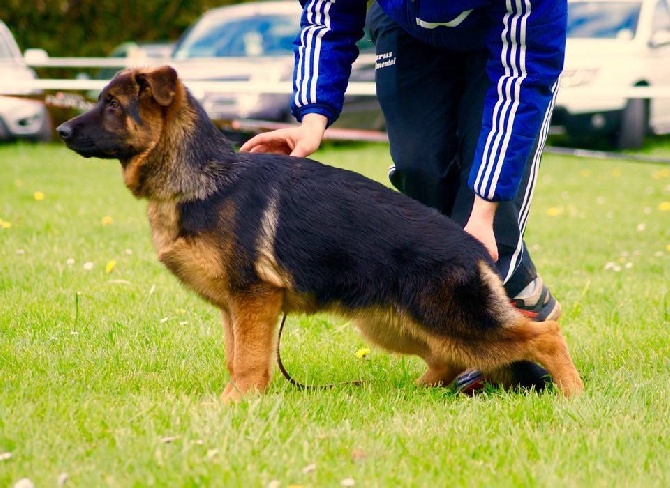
{"x":110,"y":371}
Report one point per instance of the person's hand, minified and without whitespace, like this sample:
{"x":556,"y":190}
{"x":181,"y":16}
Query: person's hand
{"x":480,"y":224}
{"x":299,"y":141}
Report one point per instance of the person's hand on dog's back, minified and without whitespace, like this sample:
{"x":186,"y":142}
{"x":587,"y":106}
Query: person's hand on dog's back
{"x":298,"y":141}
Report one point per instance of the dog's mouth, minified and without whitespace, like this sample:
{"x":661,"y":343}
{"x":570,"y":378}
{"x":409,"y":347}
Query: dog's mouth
{"x":85,"y":148}
{"x":91,"y":151}
{"x":89,"y":148}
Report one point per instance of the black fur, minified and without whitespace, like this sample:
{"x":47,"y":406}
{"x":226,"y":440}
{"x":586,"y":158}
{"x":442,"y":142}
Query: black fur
{"x":336,"y":232}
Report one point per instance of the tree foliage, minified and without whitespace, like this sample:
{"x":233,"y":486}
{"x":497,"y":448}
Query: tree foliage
{"x":95,"y":27}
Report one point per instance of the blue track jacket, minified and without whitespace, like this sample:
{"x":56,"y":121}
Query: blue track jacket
{"x":526,"y":44}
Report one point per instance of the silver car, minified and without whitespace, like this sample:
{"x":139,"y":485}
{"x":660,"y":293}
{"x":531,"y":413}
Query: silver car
{"x":252,"y":43}
{"x":20,"y":117}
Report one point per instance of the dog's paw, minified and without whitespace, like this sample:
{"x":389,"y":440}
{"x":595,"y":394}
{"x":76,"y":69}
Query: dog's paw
{"x":442,"y":376}
{"x":572,"y":387}
{"x":231,"y":394}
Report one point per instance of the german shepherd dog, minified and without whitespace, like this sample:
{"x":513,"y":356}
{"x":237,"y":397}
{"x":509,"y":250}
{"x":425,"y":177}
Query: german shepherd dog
{"x":261,"y":234}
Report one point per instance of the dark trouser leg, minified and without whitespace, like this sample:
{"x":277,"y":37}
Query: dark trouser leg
{"x":419,"y":96}
{"x":432,"y":101}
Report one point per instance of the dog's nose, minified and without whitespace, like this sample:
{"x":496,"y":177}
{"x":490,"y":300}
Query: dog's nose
{"x":64,"y":131}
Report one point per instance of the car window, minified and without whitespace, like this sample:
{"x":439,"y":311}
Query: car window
{"x":8,"y":48}
{"x":5,"y":52}
{"x":661,"y":20}
{"x":262,"y":35}
{"x":603,"y":20}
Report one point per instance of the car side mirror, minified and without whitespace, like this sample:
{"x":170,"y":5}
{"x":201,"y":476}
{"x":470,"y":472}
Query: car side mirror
{"x":660,"y":38}
{"x":35,"y":56}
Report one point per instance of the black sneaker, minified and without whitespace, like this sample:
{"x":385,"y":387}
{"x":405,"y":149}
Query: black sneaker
{"x":470,"y":382}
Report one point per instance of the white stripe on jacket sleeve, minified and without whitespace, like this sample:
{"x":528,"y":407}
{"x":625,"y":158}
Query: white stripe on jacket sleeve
{"x":513,"y":59}
{"x":309,"y":53}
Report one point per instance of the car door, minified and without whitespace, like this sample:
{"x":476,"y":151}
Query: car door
{"x":659,"y":47}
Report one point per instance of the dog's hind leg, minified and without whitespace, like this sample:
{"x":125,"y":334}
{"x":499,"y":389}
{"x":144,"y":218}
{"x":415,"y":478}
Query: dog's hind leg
{"x":439,"y":373}
{"x":399,"y":334}
{"x":254,"y":319}
{"x":543,"y":343}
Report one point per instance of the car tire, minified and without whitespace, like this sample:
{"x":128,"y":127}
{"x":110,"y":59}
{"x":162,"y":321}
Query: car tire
{"x":46,"y":131}
{"x":4,"y":131}
{"x":634,"y":124}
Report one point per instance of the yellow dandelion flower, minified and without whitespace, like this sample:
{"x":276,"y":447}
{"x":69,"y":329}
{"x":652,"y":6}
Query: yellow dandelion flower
{"x":585,"y":173}
{"x":362,"y":352}
{"x":664,"y":206}
{"x":6,"y":225}
{"x":667,"y":248}
{"x":110,"y":266}
{"x":616,"y":173}
{"x":107,"y":220}
{"x":38,"y":196}
{"x":554,"y":211}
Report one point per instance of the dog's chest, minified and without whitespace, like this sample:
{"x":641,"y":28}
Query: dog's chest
{"x":164,"y":222}
{"x":194,"y":260}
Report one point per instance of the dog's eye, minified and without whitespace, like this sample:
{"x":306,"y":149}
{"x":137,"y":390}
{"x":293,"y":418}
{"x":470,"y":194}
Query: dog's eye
{"x":113,"y":103}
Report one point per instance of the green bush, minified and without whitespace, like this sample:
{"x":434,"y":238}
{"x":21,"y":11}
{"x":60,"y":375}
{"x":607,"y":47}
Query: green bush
{"x":94,"y":28}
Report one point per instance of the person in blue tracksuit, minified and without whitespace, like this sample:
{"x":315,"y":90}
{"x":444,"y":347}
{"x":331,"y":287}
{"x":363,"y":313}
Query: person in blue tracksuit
{"x":467,"y":89}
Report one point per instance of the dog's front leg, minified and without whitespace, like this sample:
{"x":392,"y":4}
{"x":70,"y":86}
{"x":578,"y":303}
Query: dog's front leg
{"x":229,"y":342}
{"x":252,"y":336}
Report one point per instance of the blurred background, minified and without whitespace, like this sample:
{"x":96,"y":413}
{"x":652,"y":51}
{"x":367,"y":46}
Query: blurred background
{"x":237,"y":58}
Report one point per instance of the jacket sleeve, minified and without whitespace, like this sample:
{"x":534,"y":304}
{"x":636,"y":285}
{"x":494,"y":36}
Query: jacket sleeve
{"x":325,"y":50}
{"x":526,"y":47}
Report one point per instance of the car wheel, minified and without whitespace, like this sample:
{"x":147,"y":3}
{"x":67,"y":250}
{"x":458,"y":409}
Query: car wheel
{"x":634,"y":124}
{"x":4,"y":131}
{"x":46,"y":131}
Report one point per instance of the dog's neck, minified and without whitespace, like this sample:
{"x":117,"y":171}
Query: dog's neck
{"x":190,"y":160}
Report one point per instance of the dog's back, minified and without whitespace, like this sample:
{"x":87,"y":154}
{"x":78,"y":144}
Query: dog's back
{"x":348,"y":242}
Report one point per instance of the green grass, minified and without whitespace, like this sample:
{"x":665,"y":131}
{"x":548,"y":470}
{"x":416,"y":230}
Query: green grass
{"x":98,"y":370}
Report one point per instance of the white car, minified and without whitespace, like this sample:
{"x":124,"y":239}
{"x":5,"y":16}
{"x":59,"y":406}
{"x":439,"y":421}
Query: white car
{"x":20,"y":118}
{"x":252,"y":43}
{"x":613,"y":46}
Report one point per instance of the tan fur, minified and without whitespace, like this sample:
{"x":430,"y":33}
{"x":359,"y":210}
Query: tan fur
{"x":195,"y":261}
{"x":509,"y":314}
{"x":266,"y":264}
{"x":254,"y":319}
{"x":164,"y":223}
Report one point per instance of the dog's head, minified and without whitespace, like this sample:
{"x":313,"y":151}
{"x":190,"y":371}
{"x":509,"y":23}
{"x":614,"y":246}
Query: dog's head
{"x":128,"y":117}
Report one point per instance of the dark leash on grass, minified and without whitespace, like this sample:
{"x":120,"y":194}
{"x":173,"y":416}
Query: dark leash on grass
{"x":297,"y":384}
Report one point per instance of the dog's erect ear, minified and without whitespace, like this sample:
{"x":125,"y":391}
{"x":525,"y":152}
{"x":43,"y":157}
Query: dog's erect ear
{"x":160,"y":83}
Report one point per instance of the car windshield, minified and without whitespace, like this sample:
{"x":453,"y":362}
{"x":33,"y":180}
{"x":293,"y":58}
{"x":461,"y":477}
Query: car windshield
{"x":7,"y":50}
{"x":260,"y":35}
{"x":603,"y":20}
